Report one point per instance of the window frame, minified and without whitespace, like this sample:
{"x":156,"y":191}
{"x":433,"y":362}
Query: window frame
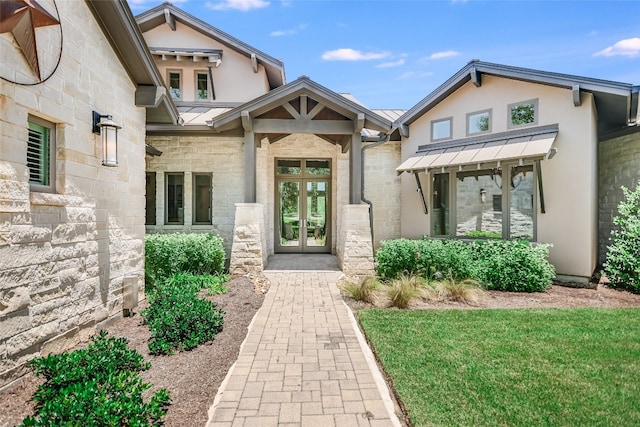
{"x":505,"y":200}
{"x":489,"y":112}
{"x":434,"y":122}
{"x":181,"y":83}
{"x":196,"y":90}
{"x":50,"y":187}
{"x":166,"y":198}
{"x":533,"y":101}
{"x":194,"y":198}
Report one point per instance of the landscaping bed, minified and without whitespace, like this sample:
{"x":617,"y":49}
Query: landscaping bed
{"x":191,"y":377}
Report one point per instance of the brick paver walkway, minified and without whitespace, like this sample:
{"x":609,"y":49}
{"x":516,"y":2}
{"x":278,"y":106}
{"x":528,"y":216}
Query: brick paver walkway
{"x":303,"y":363}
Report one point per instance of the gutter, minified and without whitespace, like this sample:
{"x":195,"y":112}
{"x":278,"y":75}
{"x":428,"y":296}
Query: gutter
{"x":381,"y":139}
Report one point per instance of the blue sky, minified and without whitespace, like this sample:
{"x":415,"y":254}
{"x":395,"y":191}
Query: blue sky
{"x":391,"y":54}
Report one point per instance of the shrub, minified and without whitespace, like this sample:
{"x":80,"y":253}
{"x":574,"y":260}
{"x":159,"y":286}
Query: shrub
{"x":623,"y":257}
{"x":403,"y":290}
{"x":178,"y":319}
{"x":169,"y":254}
{"x":365,"y":290}
{"x":512,"y":265}
{"x":215,"y":284}
{"x":98,"y":385}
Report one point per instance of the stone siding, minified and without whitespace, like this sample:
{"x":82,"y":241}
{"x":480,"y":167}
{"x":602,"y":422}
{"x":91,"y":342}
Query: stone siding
{"x":355,"y":247}
{"x":619,"y":165}
{"x":64,"y":255}
{"x":223,"y":157}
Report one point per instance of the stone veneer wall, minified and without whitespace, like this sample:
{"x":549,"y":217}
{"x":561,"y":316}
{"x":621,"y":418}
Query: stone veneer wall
{"x":619,"y":164}
{"x":354,"y":246}
{"x":64,"y":255}
{"x":223,"y":157}
{"x":382,"y":188}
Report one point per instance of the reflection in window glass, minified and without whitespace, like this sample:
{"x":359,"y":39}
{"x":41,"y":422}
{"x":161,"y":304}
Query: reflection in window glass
{"x":521,"y":202}
{"x":440,"y":205}
{"x":289,"y":213}
{"x":288,"y":167}
{"x":317,"y":167}
{"x":522,"y":114}
{"x":478,"y":122}
{"x":175,"y":198}
{"x":441,"y":129}
{"x":174,"y":85}
{"x":202,"y":199}
{"x":476,"y":215}
{"x":203,"y":86}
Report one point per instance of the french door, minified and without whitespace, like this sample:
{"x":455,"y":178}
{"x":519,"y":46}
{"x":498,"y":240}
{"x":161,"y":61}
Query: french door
{"x":303,"y":205}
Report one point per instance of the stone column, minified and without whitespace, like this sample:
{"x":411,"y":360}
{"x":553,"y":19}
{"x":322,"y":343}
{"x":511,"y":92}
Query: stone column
{"x":354,"y":246}
{"x":249,"y":249}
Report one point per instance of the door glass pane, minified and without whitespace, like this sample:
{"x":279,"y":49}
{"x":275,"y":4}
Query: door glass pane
{"x":440,"y":203}
{"x":317,"y":167}
{"x":478,"y":210}
{"x":289,"y":214}
{"x":202,"y":202}
{"x":521,"y":202}
{"x":316,"y":213}
{"x":288,"y":167}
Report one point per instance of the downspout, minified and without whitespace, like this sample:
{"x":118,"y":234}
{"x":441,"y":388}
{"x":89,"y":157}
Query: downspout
{"x":376,"y":142}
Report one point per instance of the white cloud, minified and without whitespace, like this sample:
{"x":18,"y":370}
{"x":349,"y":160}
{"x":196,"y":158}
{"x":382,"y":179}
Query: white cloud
{"x":397,"y":63}
{"x":415,"y":75}
{"x":627,"y":47}
{"x":280,"y":33}
{"x":441,"y":55}
{"x":242,"y":5}
{"x":352,"y":55}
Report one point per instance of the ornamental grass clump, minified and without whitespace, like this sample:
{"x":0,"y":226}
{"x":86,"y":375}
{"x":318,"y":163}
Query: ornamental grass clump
{"x":365,"y":290}
{"x":96,"y":386}
{"x":403,"y":290}
{"x":623,"y":257}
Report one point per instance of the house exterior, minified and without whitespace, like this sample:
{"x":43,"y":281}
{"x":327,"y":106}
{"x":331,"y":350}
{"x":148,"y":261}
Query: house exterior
{"x":279,"y":167}
{"x":71,"y":229}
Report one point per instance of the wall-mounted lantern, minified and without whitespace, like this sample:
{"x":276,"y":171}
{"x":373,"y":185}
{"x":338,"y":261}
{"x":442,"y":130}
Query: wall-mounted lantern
{"x":483,"y":195}
{"x":104,"y":126}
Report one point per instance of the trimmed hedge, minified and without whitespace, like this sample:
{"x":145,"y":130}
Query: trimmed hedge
{"x":507,"y":265}
{"x":170,"y":254}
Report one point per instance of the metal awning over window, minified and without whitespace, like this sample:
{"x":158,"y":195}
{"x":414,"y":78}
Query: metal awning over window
{"x":486,"y":151}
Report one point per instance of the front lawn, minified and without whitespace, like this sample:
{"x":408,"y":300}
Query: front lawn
{"x":512,"y":367}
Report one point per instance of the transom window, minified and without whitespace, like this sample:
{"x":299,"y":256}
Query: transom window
{"x":523,"y":113}
{"x":488,"y":203}
{"x":41,"y":154}
{"x":175,"y":84}
{"x":441,"y":129}
{"x":478,"y":122}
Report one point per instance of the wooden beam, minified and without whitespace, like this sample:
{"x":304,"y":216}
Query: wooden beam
{"x":247,"y":124}
{"x":314,"y":111}
{"x":326,"y":127}
{"x":346,"y":143}
{"x":577,"y":101}
{"x":169,"y":19}
{"x":476,"y":79}
{"x":359,"y":123}
{"x":303,"y":106}
{"x":355,"y":169}
{"x":291,"y":110}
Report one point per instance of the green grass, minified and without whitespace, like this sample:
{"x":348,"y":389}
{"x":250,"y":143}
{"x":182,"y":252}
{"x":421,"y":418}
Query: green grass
{"x":542,"y":367}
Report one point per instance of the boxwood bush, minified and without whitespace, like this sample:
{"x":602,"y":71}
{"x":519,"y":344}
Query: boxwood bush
{"x":169,"y":254}
{"x":497,"y":264}
{"x":178,"y":318}
{"x":99,"y":385}
{"x":623,"y":257}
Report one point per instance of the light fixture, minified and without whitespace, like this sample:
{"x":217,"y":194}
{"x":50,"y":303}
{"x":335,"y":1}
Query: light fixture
{"x":483,"y":195}
{"x":104,"y":126}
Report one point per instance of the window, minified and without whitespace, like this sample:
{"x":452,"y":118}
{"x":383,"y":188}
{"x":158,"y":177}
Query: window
{"x":202,"y":86}
{"x":150,"y":196}
{"x":41,"y":154}
{"x":480,"y":209}
{"x":441,"y":129}
{"x":479,"y":122}
{"x":175,"y":84}
{"x":202,"y":198}
{"x":523,"y":113}
{"x":174,"y":198}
